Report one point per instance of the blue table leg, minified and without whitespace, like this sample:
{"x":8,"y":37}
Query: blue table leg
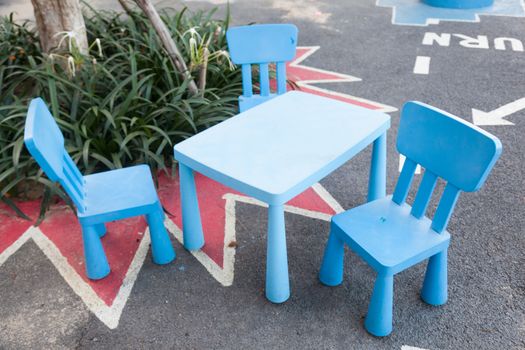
{"x":101,"y":229}
{"x":377,"y":179}
{"x":191,"y":218}
{"x":277,"y":282}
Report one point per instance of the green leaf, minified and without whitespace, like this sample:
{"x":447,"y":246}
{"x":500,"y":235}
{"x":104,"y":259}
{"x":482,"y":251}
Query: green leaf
{"x":129,"y":106}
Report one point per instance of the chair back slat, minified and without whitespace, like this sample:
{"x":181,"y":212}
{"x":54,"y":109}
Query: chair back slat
{"x":281,"y":78}
{"x":73,"y":167}
{"x":424,"y":193}
{"x":45,"y":142}
{"x":73,"y":192}
{"x":73,"y":184}
{"x":247,"y":86}
{"x":264,"y":79}
{"x":73,"y":180}
{"x":404,"y":181}
{"x":448,"y":146}
{"x":261,"y":45}
{"x":445,"y":208}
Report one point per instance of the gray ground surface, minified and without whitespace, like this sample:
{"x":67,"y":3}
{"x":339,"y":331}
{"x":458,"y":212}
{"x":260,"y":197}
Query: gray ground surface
{"x":170,"y":308}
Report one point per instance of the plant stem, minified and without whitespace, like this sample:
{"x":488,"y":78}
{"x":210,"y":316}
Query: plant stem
{"x":124,"y":4}
{"x":168,"y":42}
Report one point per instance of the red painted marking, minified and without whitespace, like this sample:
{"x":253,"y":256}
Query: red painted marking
{"x":340,"y":98}
{"x":12,"y":226}
{"x":212,"y":208}
{"x":310,"y":200}
{"x":299,"y":73}
{"x":120,"y":244}
{"x":123,"y":238}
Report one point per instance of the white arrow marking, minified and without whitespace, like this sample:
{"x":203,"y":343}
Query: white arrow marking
{"x":496,"y":116}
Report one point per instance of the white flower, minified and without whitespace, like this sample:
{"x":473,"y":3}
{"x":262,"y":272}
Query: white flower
{"x":193,"y":33}
{"x":226,"y":55}
{"x":97,"y":42}
{"x":193,"y":49}
{"x":69,"y":36}
{"x":71,"y":66}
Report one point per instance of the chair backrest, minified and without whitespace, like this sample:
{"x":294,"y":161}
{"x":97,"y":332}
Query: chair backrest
{"x":447,"y":147}
{"x":261,"y":44}
{"x":45,"y":142}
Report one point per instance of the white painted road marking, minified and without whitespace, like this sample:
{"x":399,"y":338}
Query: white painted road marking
{"x":110,"y":314}
{"x":496,"y":116}
{"x":317,"y":78}
{"x":479,"y":42}
{"x":422,"y":65}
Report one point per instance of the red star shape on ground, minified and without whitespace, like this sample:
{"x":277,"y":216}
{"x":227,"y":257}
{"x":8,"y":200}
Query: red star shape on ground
{"x":126,"y":243}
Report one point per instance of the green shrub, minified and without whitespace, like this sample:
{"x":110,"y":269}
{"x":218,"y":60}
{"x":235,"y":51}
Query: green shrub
{"x":123,"y":104}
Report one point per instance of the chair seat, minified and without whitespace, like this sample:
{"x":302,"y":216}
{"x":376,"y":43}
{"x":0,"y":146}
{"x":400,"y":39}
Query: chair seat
{"x":387,"y":236}
{"x":117,"y":194}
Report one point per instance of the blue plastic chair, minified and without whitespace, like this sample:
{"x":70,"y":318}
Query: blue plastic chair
{"x":389,"y":234}
{"x":99,"y":198}
{"x":261,"y":44}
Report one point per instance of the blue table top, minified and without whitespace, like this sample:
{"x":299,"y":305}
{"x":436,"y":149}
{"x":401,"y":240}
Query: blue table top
{"x":278,"y":149}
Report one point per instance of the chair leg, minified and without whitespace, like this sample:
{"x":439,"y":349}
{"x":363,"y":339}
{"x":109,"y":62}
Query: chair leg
{"x":193,"y":236}
{"x":331,"y":273}
{"x":277,"y":282}
{"x":101,"y":229}
{"x":434,"y":291}
{"x":97,"y":266}
{"x":379,"y":318}
{"x":161,"y":247}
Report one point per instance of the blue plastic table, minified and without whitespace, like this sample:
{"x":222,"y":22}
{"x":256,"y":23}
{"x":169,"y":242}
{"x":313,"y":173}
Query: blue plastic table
{"x":273,"y":152}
